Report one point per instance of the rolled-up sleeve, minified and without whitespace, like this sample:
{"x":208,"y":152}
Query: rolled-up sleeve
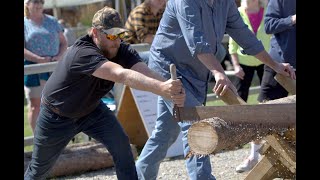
{"x":241,"y":34}
{"x":189,"y":19}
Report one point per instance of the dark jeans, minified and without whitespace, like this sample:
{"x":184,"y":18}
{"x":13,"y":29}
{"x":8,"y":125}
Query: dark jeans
{"x":244,"y":84}
{"x":53,"y":133}
{"x":270,"y":88}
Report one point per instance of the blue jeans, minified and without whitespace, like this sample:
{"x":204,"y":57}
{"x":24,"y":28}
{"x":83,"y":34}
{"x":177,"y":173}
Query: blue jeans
{"x":163,"y":136}
{"x":53,"y":133}
{"x":145,"y":56}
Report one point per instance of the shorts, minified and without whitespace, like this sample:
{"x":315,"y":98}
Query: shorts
{"x":34,"y":92}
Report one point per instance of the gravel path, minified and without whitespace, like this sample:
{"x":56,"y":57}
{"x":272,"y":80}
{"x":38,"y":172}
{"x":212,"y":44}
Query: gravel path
{"x":223,"y":167}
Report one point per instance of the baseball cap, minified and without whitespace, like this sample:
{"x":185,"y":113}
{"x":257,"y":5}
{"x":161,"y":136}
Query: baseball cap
{"x":108,"y":20}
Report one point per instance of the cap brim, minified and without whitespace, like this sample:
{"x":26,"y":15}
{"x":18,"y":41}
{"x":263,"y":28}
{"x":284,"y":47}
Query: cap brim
{"x":115,"y":30}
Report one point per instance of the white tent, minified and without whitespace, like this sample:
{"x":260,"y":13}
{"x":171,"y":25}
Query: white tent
{"x":67,"y":3}
{"x":54,"y":4}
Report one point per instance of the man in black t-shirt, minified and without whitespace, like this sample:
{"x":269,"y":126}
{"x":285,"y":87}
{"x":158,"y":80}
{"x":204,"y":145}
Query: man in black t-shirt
{"x":71,"y":99}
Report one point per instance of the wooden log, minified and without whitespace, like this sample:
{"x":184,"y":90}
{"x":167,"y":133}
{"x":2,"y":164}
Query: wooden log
{"x":212,"y":135}
{"x":287,"y":83}
{"x":79,"y":158}
{"x":231,"y":98}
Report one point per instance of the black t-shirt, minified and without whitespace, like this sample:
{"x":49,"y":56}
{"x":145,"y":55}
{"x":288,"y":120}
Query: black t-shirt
{"x":72,"y":89}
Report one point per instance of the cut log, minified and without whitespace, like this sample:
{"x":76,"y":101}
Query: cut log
{"x":79,"y":158}
{"x":287,"y":83}
{"x":231,"y":98}
{"x":212,"y":135}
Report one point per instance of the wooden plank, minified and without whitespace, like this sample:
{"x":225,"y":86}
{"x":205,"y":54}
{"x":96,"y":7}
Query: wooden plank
{"x":287,"y":155}
{"x":264,"y":170}
{"x":39,"y":68}
{"x":50,"y":66}
{"x":130,"y":119}
{"x":287,"y":83}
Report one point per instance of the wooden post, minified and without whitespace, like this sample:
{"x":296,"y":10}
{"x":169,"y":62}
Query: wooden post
{"x":287,"y":83}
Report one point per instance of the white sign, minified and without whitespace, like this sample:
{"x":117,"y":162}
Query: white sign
{"x":147,"y":105}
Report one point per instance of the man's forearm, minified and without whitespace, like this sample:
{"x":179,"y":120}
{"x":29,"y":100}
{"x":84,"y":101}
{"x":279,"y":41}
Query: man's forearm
{"x":211,"y":62}
{"x":143,"y":68}
{"x":139,"y":81}
{"x":264,"y":57}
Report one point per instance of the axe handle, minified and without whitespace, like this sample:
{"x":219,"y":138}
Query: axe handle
{"x":173,"y":72}
{"x":287,"y":83}
{"x":231,"y":98}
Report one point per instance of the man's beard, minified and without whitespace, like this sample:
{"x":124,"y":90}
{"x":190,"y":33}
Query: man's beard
{"x":111,"y":52}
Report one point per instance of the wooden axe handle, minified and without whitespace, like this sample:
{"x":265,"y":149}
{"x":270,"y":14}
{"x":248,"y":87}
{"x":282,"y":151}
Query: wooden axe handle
{"x":173,"y":72}
{"x":287,"y":83}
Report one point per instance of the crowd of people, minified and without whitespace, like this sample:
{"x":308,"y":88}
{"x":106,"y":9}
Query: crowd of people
{"x":187,"y":33}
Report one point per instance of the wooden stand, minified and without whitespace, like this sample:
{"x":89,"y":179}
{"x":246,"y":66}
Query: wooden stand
{"x":279,"y":159}
{"x":130,"y":119}
{"x":137,"y":113}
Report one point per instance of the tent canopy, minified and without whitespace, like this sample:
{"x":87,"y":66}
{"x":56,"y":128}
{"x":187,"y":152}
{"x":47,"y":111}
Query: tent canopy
{"x":67,"y":3}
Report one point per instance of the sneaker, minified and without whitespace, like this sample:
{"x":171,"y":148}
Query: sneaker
{"x":246,"y":165}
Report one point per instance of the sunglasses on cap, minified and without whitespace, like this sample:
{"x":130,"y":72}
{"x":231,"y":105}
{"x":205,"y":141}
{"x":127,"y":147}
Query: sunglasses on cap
{"x":112,"y":37}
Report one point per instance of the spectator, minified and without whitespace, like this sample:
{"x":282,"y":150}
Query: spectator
{"x":143,"y":22}
{"x":252,"y":12}
{"x":280,"y":21}
{"x":68,"y":33}
{"x":71,"y":99}
{"x":189,"y":36}
{"x":43,"y":42}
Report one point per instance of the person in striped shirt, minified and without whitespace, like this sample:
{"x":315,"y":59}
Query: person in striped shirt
{"x":143,"y":22}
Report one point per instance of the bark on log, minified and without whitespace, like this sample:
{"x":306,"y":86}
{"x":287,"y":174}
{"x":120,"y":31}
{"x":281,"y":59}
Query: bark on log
{"x":79,"y":158}
{"x":212,"y":135}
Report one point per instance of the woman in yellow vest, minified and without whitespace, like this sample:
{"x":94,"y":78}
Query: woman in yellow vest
{"x":252,"y":13}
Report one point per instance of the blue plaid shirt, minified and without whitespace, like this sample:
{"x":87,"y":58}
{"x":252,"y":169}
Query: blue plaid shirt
{"x":192,"y":27}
